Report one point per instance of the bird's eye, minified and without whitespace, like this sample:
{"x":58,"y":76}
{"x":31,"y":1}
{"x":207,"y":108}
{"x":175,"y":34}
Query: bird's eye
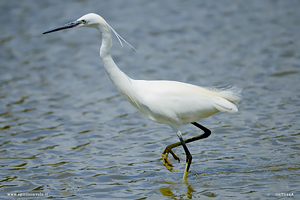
{"x":83,"y":21}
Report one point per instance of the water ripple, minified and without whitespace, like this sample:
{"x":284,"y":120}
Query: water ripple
{"x":65,"y":132}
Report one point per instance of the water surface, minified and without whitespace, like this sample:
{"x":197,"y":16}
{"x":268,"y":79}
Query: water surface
{"x":66,"y":132}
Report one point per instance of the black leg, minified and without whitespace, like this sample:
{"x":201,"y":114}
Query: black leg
{"x":169,"y":148}
{"x":188,"y":154}
{"x":206,"y":134}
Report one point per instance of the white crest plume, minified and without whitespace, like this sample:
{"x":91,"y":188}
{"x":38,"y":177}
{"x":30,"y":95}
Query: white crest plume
{"x":120,"y":37}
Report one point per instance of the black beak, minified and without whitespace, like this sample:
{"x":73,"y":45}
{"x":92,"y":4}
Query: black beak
{"x":69,"y":25}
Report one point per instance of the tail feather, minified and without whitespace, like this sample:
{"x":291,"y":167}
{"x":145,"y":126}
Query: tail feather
{"x":227,"y":99}
{"x":232,"y":94}
{"x":224,"y":105}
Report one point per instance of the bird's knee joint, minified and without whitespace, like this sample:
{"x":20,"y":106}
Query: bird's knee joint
{"x":207,"y":133}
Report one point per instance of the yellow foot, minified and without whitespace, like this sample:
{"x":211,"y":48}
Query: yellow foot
{"x":166,"y":162}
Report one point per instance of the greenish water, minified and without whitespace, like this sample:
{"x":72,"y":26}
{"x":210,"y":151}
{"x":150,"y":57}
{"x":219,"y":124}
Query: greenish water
{"x":65,"y":132}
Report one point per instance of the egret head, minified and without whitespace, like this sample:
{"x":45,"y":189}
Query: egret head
{"x":94,"y":21}
{"x":88,"y":20}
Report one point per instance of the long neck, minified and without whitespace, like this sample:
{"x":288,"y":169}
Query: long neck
{"x":119,"y":78}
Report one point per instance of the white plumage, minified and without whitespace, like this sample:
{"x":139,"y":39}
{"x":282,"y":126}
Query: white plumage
{"x":179,"y":103}
{"x":168,"y":102}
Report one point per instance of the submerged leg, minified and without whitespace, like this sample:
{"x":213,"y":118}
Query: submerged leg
{"x":169,"y":148}
{"x":188,"y":156}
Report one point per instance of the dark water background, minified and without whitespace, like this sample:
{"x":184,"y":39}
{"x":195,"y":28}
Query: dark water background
{"x":66,"y":132}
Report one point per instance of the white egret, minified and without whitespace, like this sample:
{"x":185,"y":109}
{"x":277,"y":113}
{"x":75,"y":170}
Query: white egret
{"x":168,"y":102}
